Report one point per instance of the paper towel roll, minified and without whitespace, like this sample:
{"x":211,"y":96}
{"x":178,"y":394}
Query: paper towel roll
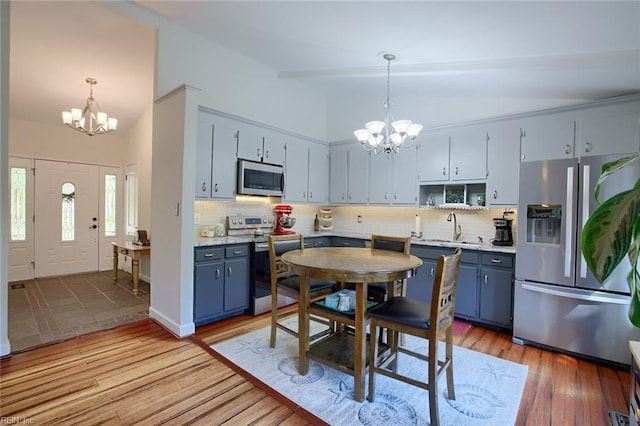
{"x":418,"y":225}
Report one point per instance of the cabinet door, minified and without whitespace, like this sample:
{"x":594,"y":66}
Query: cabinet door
{"x":204,"y":155}
{"x":602,"y":134}
{"x":547,"y":138}
{"x":420,"y":287}
{"x":236,"y":284}
{"x":297,"y":171}
{"x":274,"y":147}
{"x":250,"y":142}
{"x":405,"y":183}
{"x":468,"y":159}
{"x":467,"y":292}
{"x":338,"y":175}
{"x":496,"y":289}
{"x":318,"y":174}
{"x":224,"y":170}
{"x":208,"y":291}
{"x":380,"y":175}
{"x":433,"y":157}
{"x":503,"y":161}
{"x":358,"y":175}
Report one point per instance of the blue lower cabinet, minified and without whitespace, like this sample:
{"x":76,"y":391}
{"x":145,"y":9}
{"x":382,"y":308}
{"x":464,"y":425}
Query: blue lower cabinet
{"x":221,"y":282}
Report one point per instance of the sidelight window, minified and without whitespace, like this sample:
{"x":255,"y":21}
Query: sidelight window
{"x":18,"y":204}
{"x":68,"y":211}
{"x":110,"y":205}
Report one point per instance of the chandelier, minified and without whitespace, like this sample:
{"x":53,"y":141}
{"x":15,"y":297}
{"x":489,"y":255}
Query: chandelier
{"x":388,"y":135}
{"x":89,"y":120}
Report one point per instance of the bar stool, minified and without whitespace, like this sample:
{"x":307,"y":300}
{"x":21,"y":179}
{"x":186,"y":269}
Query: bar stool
{"x":404,"y":315}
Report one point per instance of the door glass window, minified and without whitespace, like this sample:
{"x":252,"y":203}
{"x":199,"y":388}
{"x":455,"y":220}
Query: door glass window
{"x":110,"y":205}
{"x":131,"y":194}
{"x":18,"y":203}
{"x":68,"y":211}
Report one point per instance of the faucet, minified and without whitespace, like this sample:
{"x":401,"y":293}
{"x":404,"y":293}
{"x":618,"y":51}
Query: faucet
{"x":457,"y":229}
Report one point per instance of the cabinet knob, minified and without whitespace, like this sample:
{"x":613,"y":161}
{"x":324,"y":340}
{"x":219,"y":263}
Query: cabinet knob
{"x":567,"y":149}
{"x":215,"y":188}
{"x":456,"y":171}
{"x":204,"y":187}
{"x":229,"y":271}
{"x":311,"y":194}
{"x":258,"y":152}
{"x":486,"y":279}
{"x":587,"y":147}
{"x":266,"y":153}
{"x":444,"y":171}
{"x":496,"y":260}
{"x":495,"y":194}
{"x":431,"y":273}
{"x":217,"y":273}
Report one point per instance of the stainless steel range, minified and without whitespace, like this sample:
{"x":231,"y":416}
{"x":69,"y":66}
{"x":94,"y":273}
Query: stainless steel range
{"x":258,"y":228}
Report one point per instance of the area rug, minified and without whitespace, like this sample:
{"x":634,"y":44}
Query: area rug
{"x":488,"y":389}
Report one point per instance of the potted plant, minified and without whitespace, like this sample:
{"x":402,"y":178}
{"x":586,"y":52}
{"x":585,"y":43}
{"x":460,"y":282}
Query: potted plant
{"x":612,"y":233}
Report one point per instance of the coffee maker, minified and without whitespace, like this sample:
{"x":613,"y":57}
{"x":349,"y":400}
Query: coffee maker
{"x":283,"y":219}
{"x":503,"y":236}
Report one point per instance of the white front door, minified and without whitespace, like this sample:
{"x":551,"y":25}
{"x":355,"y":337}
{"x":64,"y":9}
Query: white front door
{"x":67,"y":218}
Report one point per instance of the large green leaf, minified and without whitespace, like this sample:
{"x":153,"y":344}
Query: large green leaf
{"x":607,"y":235}
{"x":611,"y":167}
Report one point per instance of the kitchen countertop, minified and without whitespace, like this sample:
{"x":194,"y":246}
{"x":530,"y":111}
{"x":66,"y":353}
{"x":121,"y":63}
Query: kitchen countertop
{"x":205,"y":241}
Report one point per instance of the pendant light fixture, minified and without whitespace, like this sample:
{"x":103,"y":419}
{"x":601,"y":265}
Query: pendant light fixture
{"x":89,"y":120}
{"x":389,"y":135}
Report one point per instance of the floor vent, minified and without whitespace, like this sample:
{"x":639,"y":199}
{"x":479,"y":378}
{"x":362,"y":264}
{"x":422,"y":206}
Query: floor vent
{"x":17,"y":286}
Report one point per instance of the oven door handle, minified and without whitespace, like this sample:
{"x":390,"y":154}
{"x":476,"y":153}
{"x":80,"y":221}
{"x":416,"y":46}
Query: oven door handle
{"x":262,"y":246}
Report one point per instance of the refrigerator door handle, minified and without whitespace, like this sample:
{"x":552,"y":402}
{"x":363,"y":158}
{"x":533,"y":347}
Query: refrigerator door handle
{"x":570,"y":295}
{"x":586,"y":195}
{"x":568,"y":228}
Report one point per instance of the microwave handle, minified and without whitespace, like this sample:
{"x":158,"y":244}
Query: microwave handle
{"x":282,"y":181}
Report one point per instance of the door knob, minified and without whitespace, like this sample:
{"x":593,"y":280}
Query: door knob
{"x":93,"y":226}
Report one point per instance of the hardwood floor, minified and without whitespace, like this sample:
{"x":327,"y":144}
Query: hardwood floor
{"x":140,"y":373}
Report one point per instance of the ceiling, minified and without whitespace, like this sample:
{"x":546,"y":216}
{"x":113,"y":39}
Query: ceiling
{"x":572,"y":51}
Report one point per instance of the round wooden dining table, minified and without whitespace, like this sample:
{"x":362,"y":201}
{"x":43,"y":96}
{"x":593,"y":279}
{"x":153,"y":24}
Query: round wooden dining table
{"x":353,"y":265}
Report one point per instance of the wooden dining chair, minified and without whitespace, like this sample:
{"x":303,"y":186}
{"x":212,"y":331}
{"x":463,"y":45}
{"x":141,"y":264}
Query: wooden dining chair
{"x":428,"y":321}
{"x":379,"y":292}
{"x":285,"y":283}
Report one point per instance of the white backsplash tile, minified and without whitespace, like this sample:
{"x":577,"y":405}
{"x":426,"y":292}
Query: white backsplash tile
{"x":375,"y":219}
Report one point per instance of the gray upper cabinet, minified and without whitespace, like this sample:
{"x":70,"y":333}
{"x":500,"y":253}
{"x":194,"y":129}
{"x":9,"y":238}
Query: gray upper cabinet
{"x":224,"y":170}
{"x":318,"y":174}
{"x":256,"y":143}
{"x":380,"y":178}
{"x":547,"y":137}
{"x":307,"y":172}
{"x":433,"y":156}
{"x":503,"y":161}
{"x":468,"y":160}
{"x":349,"y":174}
{"x":204,"y":151}
{"x":612,"y":129}
{"x":216,"y":157}
{"x":453,"y":154}
{"x":405,"y":183}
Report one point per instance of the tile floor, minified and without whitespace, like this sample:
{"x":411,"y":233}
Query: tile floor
{"x":46,"y":310}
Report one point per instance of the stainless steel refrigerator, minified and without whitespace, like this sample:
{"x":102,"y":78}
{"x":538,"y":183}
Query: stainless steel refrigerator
{"x":557,"y":301}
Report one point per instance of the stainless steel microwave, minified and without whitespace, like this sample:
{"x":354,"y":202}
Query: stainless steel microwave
{"x":260,"y":178}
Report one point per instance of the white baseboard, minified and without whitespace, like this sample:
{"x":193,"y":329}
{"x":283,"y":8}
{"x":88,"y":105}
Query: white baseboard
{"x":180,"y":330}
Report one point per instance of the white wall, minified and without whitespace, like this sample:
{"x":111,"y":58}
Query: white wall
{"x":58,"y":142}
{"x":346,"y":115}
{"x":5,"y":347}
{"x":236,"y":85}
{"x":172,"y":195}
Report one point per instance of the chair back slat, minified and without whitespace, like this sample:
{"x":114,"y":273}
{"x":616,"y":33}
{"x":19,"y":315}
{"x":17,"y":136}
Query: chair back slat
{"x":443,"y":298}
{"x":384,"y":242}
